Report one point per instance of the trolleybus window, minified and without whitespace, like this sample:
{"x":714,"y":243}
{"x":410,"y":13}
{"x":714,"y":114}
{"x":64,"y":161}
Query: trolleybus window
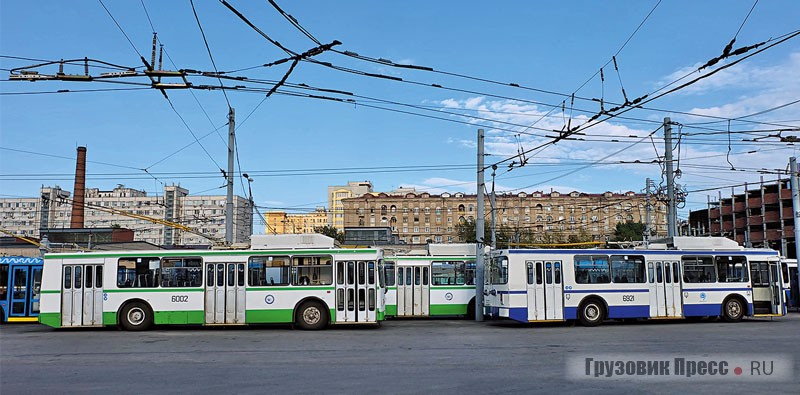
{"x":627,"y":268}
{"x":592,"y":269}
{"x":312,"y":270}
{"x":759,"y":271}
{"x":469,"y":272}
{"x":447,"y":272}
{"x":698,"y":270}
{"x":181,"y":272}
{"x":269,"y":270}
{"x":529,"y":266}
{"x":136,"y":272}
{"x":389,"y":270}
{"x":498,"y":272}
{"x":732,"y":269}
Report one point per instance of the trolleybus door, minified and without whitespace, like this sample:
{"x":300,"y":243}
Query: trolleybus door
{"x":225,"y":293}
{"x":355,"y":291}
{"x":658,"y":302}
{"x":554,"y":293}
{"x":413,"y":291}
{"x":81,"y":295}
{"x":672,"y":289}
{"x":93,"y":295}
{"x":775,"y":287}
{"x":20,"y":280}
{"x":536,"y":301}
{"x":36,"y":289}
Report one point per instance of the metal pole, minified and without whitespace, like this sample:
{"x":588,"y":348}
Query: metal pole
{"x":493,"y":202}
{"x":479,"y":264}
{"x":796,"y":208}
{"x":671,"y":208}
{"x":229,"y":201}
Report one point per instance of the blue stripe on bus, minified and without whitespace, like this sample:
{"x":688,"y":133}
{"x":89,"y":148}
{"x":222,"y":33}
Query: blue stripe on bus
{"x":642,"y":311}
{"x":512,"y":292}
{"x":518,"y":314}
{"x":714,"y":289}
{"x":643,"y":252}
{"x":708,"y":309}
{"x":590,"y":291}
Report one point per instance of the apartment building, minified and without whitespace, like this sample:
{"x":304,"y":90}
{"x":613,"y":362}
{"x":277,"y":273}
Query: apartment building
{"x":337,"y":193}
{"x":279,"y":222}
{"x":103,"y":209}
{"x":552,"y":217}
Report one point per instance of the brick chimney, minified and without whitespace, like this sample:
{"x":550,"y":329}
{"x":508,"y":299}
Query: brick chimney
{"x":79,"y":192}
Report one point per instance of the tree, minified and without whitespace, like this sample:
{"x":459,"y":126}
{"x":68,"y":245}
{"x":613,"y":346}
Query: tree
{"x":330,"y":231}
{"x":629,"y":231}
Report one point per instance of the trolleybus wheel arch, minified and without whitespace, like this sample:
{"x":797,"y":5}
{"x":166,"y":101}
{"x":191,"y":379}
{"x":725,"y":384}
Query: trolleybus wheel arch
{"x":136,"y":316}
{"x":733,"y":309}
{"x":591,"y":312}
{"x":470,"y":310}
{"x":311,"y":315}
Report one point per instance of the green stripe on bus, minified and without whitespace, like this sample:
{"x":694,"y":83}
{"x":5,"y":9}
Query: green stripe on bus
{"x":452,"y":287}
{"x":381,"y":316}
{"x":50,"y":319}
{"x":431,"y":258}
{"x":154,"y":290}
{"x":287,"y":288}
{"x":109,"y":318}
{"x":51,"y":291}
{"x":179,"y":317}
{"x":211,"y":253}
{"x":391,"y":310}
{"x":448,"y":309}
{"x":269,"y":316}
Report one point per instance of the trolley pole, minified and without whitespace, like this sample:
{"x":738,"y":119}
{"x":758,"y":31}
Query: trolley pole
{"x":229,"y":177}
{"x":672,"y":207}
{"x":647,"y":213}
{"x":480,"y":268}
{"x":796,"y":208}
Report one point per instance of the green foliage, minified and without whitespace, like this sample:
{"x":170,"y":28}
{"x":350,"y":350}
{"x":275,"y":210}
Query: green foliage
{"x":629,"y":231}
{"x":330,"y":231}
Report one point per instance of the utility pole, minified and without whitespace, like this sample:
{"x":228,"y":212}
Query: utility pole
{"x":493,"y":202}
{"x":480,"y":267}
{"x":229,"y":201}
{"x":795,"y":207}
{"x":672,"y":215}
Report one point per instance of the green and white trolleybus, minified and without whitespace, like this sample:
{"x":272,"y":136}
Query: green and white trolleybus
{"x":436,"y":282}
{"x":300,"y":279}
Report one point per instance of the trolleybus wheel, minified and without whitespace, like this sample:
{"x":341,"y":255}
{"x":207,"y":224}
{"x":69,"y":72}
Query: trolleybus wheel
{"x":733,"y":310}
{"x":591,"y":313}
{"x":136,"y":316}
{"x":311,"y":316}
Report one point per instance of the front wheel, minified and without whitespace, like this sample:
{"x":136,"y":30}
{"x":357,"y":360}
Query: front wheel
{"x":733,"y":310}
{"x":136,"y":316}
{"x":591,"y":313}
{"x":311,"y":316}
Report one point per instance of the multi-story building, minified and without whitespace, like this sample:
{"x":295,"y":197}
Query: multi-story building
{"x":337,"y":193}
{"x":551,"y":217}
{"x":760,"y":216}
{"x":278,"y":222}
{"x":204,"y":214}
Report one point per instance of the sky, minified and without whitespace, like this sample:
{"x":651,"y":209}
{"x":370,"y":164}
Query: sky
{"x":401,"y":126}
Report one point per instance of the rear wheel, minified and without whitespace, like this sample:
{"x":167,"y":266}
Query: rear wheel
{"x":136,"y":316}
{"x":311,"y":316}
{"x":591,"y":313}
{"x":733,"y":310}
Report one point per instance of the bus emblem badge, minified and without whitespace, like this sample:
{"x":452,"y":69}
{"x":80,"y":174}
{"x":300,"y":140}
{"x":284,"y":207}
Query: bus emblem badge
{"x":448,"y":296}
{"x":269,"y":299}
{"x":702,"y":296}
{"x":567,"y":296}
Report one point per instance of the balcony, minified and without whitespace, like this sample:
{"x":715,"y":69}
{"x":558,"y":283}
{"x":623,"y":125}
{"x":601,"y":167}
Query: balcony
{"x":742,"y":222}
{"x":726,"y":210}
{"x":787,"y":212}
{"x":772,"y":198}
{"x":738,"y":207}
{"x":755,"y":202}
{"x":756,"y":220}
{"x":772,"y":216}
{"x":756,"y":237}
